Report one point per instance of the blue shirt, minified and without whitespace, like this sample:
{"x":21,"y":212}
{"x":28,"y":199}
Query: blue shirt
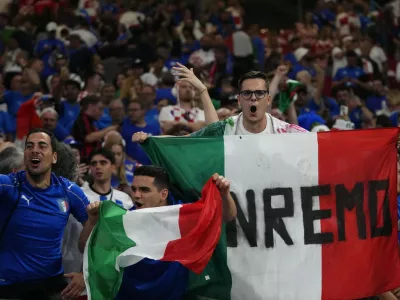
{"x":165,"y":93}
{"x":398,"y":215}
{"x":14,"y":100}
{"x":355,"y":116}
{"x":307,"y":120}
{"x":31,"y":244}
{"x":134,"y":150}
{"x":130,"y":167}
{"x":70,"y":112}
{"x":48,"y":57}
{"x":6,"y":123}
{"x":350,"y":72}
{"x":105,"y":120}
{"x":291,"y":58}
{"x":375,"y":103}
{"x":331,"y":104}
{"x":152,"y":116}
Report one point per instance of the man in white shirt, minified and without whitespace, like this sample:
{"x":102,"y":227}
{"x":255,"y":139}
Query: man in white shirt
{"x":185,"y":112}
{"x":102,"y":167}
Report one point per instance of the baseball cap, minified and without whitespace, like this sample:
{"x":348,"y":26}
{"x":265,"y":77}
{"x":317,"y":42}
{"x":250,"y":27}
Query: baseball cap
{"x":73,"y":143}
{"x":137,"y":63}
{"x":300,"y":53}
{"x":52,"y":26}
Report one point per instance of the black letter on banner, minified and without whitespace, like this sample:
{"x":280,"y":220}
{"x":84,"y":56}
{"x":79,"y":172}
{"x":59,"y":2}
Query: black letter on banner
{"x":373,"y":187}
{"x":344,"y":199}
{"x":310,"y":215}
{"x":249,"y":227}
{"x":273,"y":216}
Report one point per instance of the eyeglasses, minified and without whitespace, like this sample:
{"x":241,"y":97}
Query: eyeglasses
{"x":247,"y":94}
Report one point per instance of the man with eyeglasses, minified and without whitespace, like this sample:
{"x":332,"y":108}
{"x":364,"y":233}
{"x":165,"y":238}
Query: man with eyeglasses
{"x":255,"y":101}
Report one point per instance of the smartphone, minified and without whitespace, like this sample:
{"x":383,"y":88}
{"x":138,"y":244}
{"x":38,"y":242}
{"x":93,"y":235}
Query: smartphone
{"x":344,"y":110}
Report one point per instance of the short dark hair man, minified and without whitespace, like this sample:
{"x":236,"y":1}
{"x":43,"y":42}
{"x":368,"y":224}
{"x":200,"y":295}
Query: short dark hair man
{"x":151,"y":189}
{"x":34,"y":209}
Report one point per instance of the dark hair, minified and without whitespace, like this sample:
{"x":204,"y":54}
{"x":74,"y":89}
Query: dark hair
{"x":8,"y":77}
{"x":104,"y":152}
{"x":88,"y":100}
{"x":141,"y":103}
{"x":339,"y":88}
{"x":254,"y":75}
{"x":66,"y":165}
{"x":161,"y":178}
{"x":53,"y":140}
{"x":73,"y":82}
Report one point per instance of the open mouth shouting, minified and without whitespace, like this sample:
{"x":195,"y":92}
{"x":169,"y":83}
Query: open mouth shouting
{"x":139,"y":204}
{"x":35,"y":162}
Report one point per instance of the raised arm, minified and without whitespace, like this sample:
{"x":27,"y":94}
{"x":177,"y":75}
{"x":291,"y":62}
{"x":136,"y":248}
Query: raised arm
{"x":188,"y":75}
{"x":229,"y":210}
{"x":93,"y":217}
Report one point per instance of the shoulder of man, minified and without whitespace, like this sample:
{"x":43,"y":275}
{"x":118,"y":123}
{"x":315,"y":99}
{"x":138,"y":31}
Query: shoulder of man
{"x":123,"y":199}
{"x":283,"y":127}
{"x":72,"y":190}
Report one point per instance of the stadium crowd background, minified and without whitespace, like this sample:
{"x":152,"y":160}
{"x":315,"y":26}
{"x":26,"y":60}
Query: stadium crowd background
{"x":94,"y":72}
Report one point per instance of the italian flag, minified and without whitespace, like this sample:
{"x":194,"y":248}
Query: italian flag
{"x":317,"y":212}
{"x":186,"y":233}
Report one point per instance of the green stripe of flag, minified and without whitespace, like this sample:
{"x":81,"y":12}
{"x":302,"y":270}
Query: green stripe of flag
{"x":110,"y":241}
{"x":190,"y":162}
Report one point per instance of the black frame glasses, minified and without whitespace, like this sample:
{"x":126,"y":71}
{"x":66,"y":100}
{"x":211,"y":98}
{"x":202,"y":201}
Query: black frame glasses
{"x":259,"y":94}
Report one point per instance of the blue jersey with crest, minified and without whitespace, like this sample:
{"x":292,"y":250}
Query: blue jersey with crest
{"x":30,"y":248}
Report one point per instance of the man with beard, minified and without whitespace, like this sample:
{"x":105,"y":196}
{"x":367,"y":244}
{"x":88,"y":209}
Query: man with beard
{"x":35,"y":207}
{"x":185,"y":112}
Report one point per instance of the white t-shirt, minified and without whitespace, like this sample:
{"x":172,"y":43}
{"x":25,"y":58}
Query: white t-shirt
{"x":378,"y":55}
{"x":118,"y":197}
{"x":274,"y":126}
{"x":72,"y":257}
{"x":178,"y":114}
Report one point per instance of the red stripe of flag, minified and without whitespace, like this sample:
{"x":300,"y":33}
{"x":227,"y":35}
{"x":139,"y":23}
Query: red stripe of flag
{"x":200,"y":225}
{"x":357,"y":268}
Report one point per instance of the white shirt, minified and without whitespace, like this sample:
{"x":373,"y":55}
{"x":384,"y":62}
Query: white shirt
{"x":131,"y":18}
{"x":178,"y":114}
{"x":86,"y":36}
{"x":118,"y":197}
{"x":242,"y":44}
{"x":378,"y":55}
{"x":274,"y":126}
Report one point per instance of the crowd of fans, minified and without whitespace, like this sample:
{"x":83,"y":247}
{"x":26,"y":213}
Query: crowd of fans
{"x":95,"y":72}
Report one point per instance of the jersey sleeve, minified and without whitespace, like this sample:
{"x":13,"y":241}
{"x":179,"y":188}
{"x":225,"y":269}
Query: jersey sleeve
{"x":292,"y":128}
{"x":78,"y":202}
{"x":5,"y":183}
